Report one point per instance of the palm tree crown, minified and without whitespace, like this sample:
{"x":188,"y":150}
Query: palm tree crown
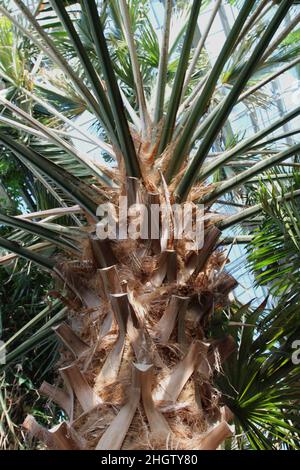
{"x":146,"y":324}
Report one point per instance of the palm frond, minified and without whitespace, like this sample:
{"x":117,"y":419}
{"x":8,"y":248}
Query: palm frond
{"x":198,"y":159}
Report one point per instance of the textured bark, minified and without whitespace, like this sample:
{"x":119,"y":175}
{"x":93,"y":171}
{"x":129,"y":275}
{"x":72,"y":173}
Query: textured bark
{"x":138,"y":371}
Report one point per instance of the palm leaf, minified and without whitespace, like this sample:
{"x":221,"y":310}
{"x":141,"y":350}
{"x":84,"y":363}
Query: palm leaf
{"x":68,"y":183}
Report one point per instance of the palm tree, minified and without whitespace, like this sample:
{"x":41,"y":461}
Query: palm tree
{"x":275,"y":259}
{"x":264,"y":397}
{"x":140,"y":363}
{"x":266,"y":336}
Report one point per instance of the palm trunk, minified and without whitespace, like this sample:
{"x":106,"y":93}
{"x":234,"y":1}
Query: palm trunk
{"x":136,"y":368}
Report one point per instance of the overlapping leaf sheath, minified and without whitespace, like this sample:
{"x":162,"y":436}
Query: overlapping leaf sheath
{"x":136,"y":366}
